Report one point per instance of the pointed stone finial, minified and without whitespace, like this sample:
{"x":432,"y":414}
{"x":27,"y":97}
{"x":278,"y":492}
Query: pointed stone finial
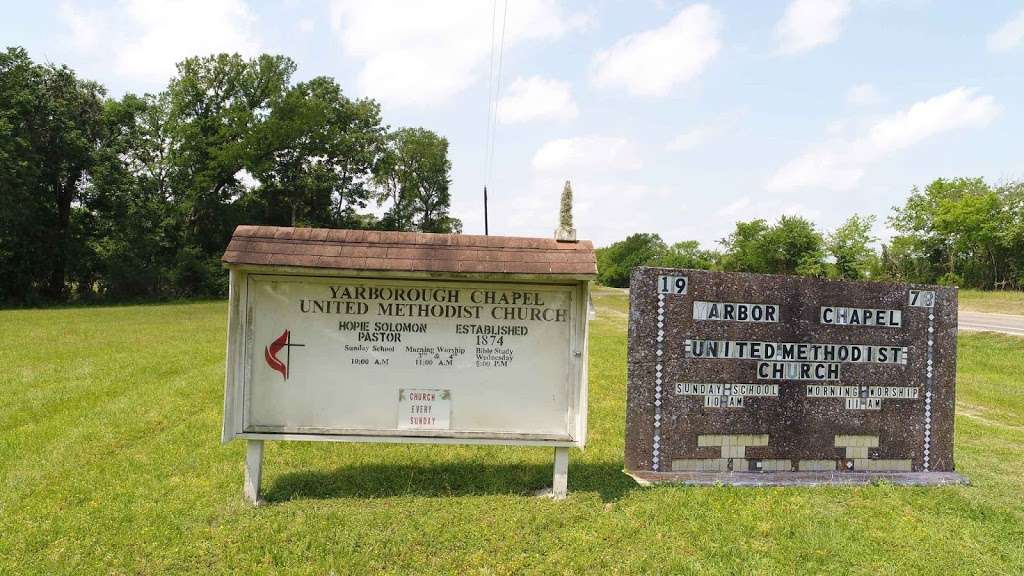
{"x":565,"y":231}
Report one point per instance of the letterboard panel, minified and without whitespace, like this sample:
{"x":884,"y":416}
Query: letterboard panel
{"x":733,"y":373}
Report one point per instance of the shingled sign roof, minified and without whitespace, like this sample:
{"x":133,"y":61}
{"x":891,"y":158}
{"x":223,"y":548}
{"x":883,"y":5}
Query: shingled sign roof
{"x":408,"y":251}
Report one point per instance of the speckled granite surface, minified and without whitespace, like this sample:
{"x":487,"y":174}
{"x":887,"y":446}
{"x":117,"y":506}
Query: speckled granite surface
{"x":876,"y":394}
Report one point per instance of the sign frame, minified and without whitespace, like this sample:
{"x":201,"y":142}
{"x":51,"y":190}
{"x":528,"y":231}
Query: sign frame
{"x":239,"y":342}
{"x":382,"y":257}
{"x":864,"y":393}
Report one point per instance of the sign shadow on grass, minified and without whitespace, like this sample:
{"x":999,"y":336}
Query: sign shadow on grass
{"x":470,"y":478}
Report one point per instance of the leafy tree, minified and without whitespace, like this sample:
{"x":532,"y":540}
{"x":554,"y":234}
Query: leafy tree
{"x":905,"y":259}
{"x":849,"y":246}
{"x":414,"y":176}
{"x":1012,"y":235}
{"x":615,"y":262}
{"x":791,"y":246}
{"x":965,"y":228}
{"x":974,"y":224}
{"x":217,"y":105}
{"x":136,"y":197}
{"x":50,"y":122}
{"x":324,"y":149}
{"x":20,"y":173}
{"x":136,"y":230}
{"x":795,"y":247}
{"x":745,"y":249}
{"x":689,"y":254}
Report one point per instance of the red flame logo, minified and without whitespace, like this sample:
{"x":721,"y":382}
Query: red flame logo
{"x":270,"y":353}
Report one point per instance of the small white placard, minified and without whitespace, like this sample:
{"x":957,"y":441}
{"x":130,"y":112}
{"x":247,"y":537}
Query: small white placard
{"x":672,"y":284}
{"x":424,"y":409}
{"x":922,"y":298}
{"x":863,"y":403}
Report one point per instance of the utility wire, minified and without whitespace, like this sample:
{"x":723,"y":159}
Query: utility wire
{"x":490,"y":91}
{"x":493,"y":96}
{"x":497,"y":92}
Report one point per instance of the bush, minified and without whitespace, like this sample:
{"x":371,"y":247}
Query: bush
{"x":616,"y":262}
{"x":196,"y":274}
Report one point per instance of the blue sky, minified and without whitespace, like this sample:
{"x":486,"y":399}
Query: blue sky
{"x":669,"y":117}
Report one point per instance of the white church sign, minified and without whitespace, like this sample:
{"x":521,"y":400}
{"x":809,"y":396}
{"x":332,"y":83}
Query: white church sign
{"x":401,"y":337}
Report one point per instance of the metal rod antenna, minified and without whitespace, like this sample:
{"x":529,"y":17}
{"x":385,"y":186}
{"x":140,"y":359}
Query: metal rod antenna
{"x":486,"y":229}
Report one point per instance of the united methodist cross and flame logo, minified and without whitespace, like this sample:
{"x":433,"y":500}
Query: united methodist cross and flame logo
{"x":270,"y":353}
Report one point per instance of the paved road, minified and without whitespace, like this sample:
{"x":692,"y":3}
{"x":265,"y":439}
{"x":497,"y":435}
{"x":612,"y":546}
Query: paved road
{"x":1005,"y":323}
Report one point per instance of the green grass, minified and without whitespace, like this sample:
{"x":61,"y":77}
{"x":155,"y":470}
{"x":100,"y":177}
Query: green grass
{"x":110,"y":462}
{"x":999,"y":301}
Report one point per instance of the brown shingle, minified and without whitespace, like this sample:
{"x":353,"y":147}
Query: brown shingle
{"x":408,"y":251}
{"x":306,"y":260}
{"x":343,"y":262}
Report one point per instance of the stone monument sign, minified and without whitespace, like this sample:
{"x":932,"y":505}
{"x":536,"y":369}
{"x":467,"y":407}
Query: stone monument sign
{"x":758,"y":379}
{"x":364,"y":336}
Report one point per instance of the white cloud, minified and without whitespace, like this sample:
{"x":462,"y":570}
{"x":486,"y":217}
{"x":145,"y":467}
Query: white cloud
{"x":306,"y":25}
{"x":586,"y":154}
{"x":86,"y":26}
{"x":836,"y":128}
{"x":772,"y":212}
{"x":689,"y":140}
{"x":770,"y":209}
{"x":807,"y":24}
{"x":172,"y":30}
{"x":1009,"y":36}
{"x":863,"y":95}
{"x":958,"y":108}
{"x":597,"y":210}
{"x":144,"y":39}
{"x":418,"y":54}
{"x":702,"y":134}
{"x":653,"y":62}
{"x":841,"y":164}
{"x":832,"y":165}
{"x":734,"y":208}
{"x":537,"y":98}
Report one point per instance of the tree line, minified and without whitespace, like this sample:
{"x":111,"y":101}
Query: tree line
{"x":136,"y":197}
{"x":960,"y":231}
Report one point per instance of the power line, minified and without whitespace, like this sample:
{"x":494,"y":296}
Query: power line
{"x":490,"y":89}
{"x":497,"y":92}
{"x":493,"y":96}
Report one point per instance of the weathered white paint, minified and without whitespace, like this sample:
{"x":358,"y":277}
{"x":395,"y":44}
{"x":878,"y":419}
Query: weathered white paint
{"x":454,"y":438}
{"x":422,"y":409}
{"x":253,"y":470}
{"x":560,"y":482}
{"x":540,"y":402}
{"x":341,"y":385}
{"x":232,"y":413}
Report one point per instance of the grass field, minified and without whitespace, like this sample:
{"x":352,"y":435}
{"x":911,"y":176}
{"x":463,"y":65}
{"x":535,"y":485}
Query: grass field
{"x":1000,"y":301}
{"x":110,"y":462}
